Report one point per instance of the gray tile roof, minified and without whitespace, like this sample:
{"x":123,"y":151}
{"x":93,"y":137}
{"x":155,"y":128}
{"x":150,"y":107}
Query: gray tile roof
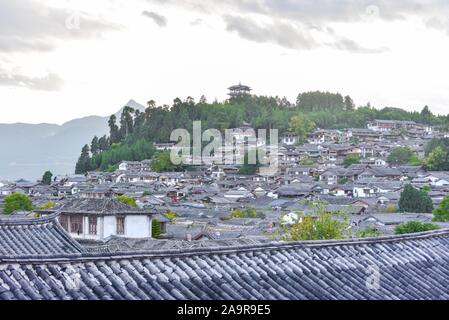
{"x":410,"y":267}
{"x":35,"y":238}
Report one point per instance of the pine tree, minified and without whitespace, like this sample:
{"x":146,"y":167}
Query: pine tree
{"x":114,"y":134}
{"x":46,"y":178}
{"x":83,"y":164}
{"x":94,"y":145}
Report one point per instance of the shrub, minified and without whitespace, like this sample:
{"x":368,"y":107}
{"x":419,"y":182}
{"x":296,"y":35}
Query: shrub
{"x":368,"y":232}
{"x":324,"y":225}
{"x":127,"y":200}
{"x":170,"y":215}
{"x":414,"y":226}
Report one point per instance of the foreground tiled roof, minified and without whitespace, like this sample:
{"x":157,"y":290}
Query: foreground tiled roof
{"x":409,"y":267}
{"x":35,"y":238}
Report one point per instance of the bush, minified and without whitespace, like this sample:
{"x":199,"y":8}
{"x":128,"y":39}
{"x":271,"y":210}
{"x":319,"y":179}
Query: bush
{"x":247,"y":213}
{"x":413,"y":227}
{"x":170,"y":215}
{"x":368,"y":232}
{"x":127,"y":200}
{"x":390,"y":208}
{"x":324,"y":225}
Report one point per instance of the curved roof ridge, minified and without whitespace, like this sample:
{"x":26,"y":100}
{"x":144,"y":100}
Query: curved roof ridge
{"x":8,"y":221}
{"x":270,"y":246}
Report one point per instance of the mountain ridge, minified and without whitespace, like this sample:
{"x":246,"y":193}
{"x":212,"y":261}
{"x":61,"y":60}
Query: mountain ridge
{"x":31,"y":149}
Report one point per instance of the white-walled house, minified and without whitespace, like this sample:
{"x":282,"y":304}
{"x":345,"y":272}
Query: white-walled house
{"x":97,"y":219}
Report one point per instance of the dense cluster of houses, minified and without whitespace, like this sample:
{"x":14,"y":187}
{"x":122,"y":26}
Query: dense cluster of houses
{"x":204,"y":196}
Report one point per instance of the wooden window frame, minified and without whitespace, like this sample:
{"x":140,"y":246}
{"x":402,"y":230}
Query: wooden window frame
{"x":76,"y":224}
{"x":93,"y":225}
{"x":120,"y":225}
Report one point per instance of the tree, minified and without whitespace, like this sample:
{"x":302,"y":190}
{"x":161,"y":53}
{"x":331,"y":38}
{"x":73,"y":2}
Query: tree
{"x":155,"y":229}
{"x":442,"y":212}
{"x":402,"y":156}
{"x":247,"y":168}
{"x":103,"y":143}
{"x":322,"y":225}
{"x":414,"y":200}
{"x":161,"y":162}
{"x":302,"y":126}
{"x":17,"y":202}
{"x":349,"y":103}
{"x":438,"y":160}
{"x":351,"y":159}
{"x":95,"y":145}
{"x":114,"y":134}
{"x":129,"y":201}
{"x":46,"y":178}
{"x":413,"y":227}
{"x":83,"y":163}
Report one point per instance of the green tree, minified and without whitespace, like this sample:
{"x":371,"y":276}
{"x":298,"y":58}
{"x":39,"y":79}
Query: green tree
{"x":438,"y":160}
{"x":413,"y":227}
{"x":247,"y":168}
{"x":351,"y":159}
{"x":402,"y":156}
{"x":302,"y":126}
{"x":161,"y":162}
{"x":83,"y":163}
{"x":442,"y":212}
{"x":17,"y":202}
{"x":414,"y":200}
{"x":95,"y":145}
{"x":155,"y":229}
{"x":46,"y":178}
{"x":349,"y":103}
{"x":127,"y":200}
{"x":103,"y":143}
{"x":114,"y":133}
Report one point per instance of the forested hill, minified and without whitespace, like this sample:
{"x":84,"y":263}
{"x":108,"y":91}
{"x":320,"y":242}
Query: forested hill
{"x":132,"y":135}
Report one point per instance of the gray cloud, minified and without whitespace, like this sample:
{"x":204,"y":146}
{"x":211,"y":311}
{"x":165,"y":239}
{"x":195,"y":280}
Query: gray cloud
{"x":26,"y":25}
{"x":283,"y":34}
{"x":161,"y":21}
{"x":300,"y":17}
{"x":50,"y":82}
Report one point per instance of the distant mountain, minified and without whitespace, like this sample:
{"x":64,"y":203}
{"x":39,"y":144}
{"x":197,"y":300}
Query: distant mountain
{"x":27,"y":150}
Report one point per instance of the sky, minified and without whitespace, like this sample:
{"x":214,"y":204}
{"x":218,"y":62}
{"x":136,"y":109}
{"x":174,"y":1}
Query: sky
{"x":61,"y":59}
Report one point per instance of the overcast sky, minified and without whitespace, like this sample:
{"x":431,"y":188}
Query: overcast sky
{"x":61,"y":60}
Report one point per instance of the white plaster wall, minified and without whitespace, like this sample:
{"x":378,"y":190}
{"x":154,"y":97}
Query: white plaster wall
{"x":109,"y":226}
{"x":137,"y":226}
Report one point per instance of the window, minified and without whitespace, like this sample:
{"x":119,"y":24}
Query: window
{"x":92,"y":225}
{"x":76,"y":224}
{"x":120,"y":225}
{"x":64,"y":221}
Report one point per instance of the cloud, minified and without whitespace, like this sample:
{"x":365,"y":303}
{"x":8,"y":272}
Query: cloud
{"x":26,"y":25}
{"x":301,"y":17}
{"x":161,"y":21}
{"x":283,"y":34}
{"x":50,"y":82}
